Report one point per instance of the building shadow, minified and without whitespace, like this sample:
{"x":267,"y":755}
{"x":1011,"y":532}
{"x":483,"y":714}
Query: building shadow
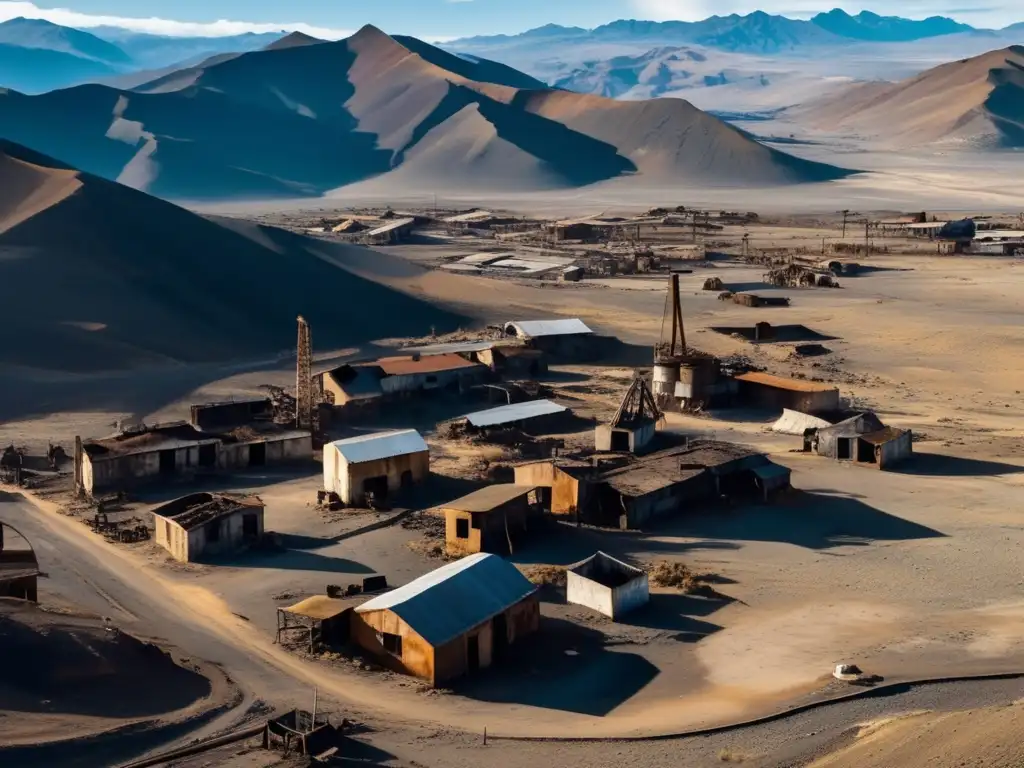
{"x":940,"y":465}
{"x":676,"y":613}
{"x":294,"y":560}
{"x":563,"y":666}
{"x":352,"y":752}
{"x":810,"y":519}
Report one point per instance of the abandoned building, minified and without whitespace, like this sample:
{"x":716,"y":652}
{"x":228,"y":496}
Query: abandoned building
{"x":202,"y":526}
{"x":326,"y":621}
{"x":608,"y":586}
{"x":633,"y":426}
{"x":756,"y":300}
{"x":568,"y":338}
{"x":763,"y":390}
{"x":513,"y":361}
{"x":797,"y":423}
{"x":535,"y":417}
{"x":493,"y":519}
{"x":376,"y":465}
{"x":178,"y":450}
{"x":395,"y":231}
{"x":19,"y":568}
{"x":358,"y":386}
{"x":561,"y":483}
{"x":676,"y":479}
{"x":233,"y":413}
{"x":862,"y":439}
{"x":455,"y":620}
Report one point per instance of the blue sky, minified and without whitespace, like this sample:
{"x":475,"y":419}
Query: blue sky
{"x":439,"y":19}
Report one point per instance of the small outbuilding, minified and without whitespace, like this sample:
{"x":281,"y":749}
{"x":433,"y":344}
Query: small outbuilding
{"x":453,"y":621}
{"x":635,"y":423}
{"x":19,"y":568}
{"x":862,"y":439}
{"x":562,"y":483}
{"x":376,"y":465}
{"x":202,"y":526}
{"x":325,"y":620}
{"x":533,"y":417}
{"x":607,"y":585}
{"x":763,"y":390}
{"x":492,"y":519}
{"x":568,"y":338}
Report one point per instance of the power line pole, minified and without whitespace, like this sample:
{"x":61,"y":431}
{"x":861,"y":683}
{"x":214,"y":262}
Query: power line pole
{"x":304,"y":377}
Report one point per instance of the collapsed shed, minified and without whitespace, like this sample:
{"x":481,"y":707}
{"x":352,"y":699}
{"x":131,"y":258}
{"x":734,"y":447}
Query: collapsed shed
{"x":561,"y":483}
{"x":609,"y":586}
{"x":325,"y":620}
{"x":376,"y":465}
{"x":204,"y":525}
{"x":452,"y":621}
{"x":492,"y":519}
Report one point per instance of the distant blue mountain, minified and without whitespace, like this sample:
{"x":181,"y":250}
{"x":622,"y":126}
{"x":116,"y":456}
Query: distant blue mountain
{"x":43,"y":35}
{"x":872,"y":27}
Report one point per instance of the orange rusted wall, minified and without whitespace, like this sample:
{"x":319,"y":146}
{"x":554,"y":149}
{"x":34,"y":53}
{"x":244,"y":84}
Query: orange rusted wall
{"x":417,"y":655}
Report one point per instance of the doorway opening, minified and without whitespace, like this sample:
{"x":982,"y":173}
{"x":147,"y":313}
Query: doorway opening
{"x":257,"y":454}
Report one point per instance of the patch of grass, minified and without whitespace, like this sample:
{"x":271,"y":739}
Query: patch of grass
{"x":730,"y":756}
{"x":544,"y":575}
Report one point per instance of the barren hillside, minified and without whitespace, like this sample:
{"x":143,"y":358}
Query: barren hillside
{"x":95,"y":275}
{"x":303,"y":119}
{"x":976,"y":101}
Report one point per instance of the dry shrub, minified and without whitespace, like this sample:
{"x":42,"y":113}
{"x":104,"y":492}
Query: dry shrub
{"x":679,"y":576}
{"x":431,"y":548}
{"x":731,"y":756}
{"x":714,"y":284}
{"x":544,"y":575}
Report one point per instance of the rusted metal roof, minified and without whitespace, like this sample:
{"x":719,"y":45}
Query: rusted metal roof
{"x":321,"y":607}
{"x":491,"y":497}
{"x":884,"y":435}
{"x":410,"y":364}
{"x":778,"y":382}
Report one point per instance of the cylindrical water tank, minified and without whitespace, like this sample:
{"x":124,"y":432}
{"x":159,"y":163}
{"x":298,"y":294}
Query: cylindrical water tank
{"x":666,"y":374}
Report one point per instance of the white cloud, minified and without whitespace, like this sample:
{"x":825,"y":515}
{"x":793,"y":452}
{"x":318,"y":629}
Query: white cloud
{"x":11,"y":9}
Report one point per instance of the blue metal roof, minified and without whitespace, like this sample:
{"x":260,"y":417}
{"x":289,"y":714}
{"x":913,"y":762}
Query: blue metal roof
{"x":443,"y":604}
{"x":510,"y":414}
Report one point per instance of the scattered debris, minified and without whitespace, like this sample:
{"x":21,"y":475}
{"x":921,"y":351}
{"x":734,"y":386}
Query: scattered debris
{"x":714,"y":284}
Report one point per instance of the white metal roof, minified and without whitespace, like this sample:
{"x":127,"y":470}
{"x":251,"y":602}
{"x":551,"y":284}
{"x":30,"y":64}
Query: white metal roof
{"x":796,"y":423}
{"x":396,"y":224}
{"x":486,"y":257}
{"x":509,"y":414}
{"x":537,"y":328}
{"x":471,"y":216}
{"x":525,"y":265}
{"x":441,"y":605}
{"x":380,"y":445}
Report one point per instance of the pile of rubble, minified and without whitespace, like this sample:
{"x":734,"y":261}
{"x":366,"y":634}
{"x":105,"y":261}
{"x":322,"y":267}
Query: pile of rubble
{"x":797,"y":276}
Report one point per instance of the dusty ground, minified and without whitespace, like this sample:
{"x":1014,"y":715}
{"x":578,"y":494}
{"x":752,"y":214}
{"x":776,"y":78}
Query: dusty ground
{"x":908,"y":573}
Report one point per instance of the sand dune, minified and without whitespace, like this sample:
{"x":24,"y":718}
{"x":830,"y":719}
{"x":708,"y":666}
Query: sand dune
{"x":976,"y":102}
{"x":97,"y":276}
{"x":303,"y":118}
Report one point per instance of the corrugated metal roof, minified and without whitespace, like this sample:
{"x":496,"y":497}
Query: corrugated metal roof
{"x":796,"y":423}
{"x":441,"y":605}
{"x":486,"y":258}
{"x":509,"y":414}
{"x":538,"y":328}
{"x":471,"y":216}
{"x":406,"y":364}
{"x":778,"y":382}
{"x":380,"y":445}
{"x":396,"y":224}
{"x":491,"y":497}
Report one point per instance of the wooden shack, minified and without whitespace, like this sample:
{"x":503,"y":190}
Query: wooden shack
{"x":453,"y":621}
{"x":493,"y":519}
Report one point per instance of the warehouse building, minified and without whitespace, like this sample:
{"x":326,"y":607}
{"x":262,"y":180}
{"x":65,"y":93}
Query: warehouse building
{"x":202,"y":526}
{"x":763,"y":390}
{"x":493,"y":519}
{"x":450,"y":622}
{"x":375,"y":466}
{"x":535,"y":417}
{"x":568,"y":338}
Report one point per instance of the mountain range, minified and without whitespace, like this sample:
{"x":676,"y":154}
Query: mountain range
{"x":757,"y":32}
{"x":165,"y":284}
{"x":37,"y":55}
{"x":974,"y":103}
{"x":305,"y":118}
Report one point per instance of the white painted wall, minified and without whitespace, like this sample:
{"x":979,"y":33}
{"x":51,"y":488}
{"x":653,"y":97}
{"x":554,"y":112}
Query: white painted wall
{"x":590,"y":594}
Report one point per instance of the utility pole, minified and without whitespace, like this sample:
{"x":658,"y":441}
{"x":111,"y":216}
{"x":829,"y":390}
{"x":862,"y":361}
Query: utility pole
{"x":867,"y":237}
{"x":304,"y":377}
